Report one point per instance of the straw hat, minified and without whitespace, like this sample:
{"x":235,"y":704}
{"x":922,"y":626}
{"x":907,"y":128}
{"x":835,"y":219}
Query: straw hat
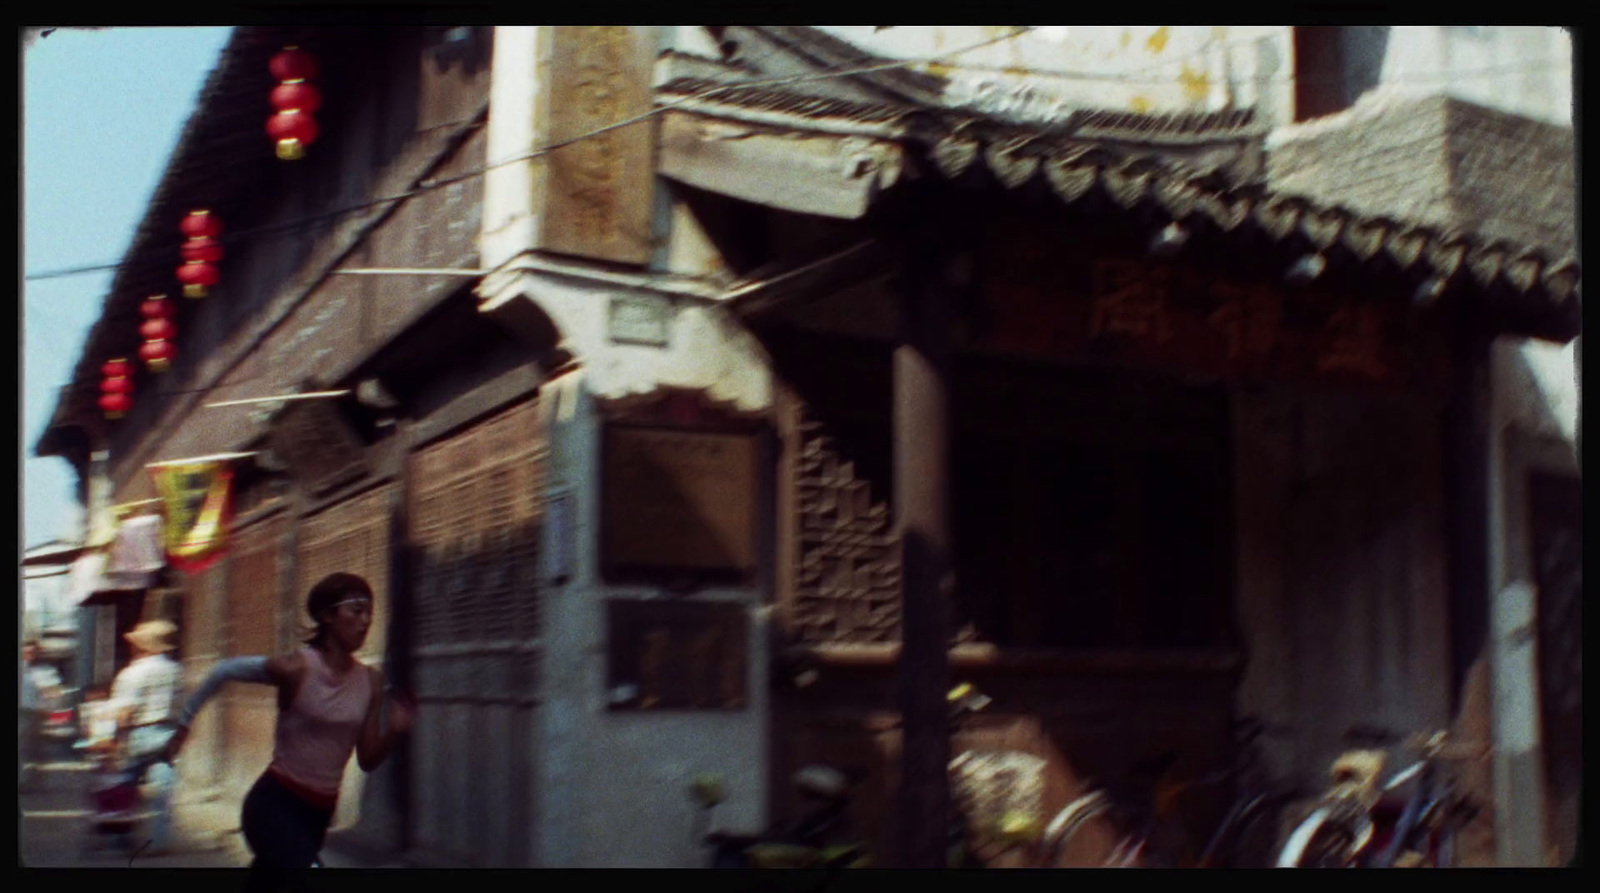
{"x":153,"y":635}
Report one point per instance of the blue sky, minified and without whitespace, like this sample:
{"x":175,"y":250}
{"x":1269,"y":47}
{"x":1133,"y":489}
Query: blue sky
{"x":102,"y":110}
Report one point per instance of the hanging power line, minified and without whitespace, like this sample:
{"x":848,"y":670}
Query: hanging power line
{"x":427,"y":184}
{"x":1139,"y":76}
{"x":437,"y":183}
{"x":430,"y":184}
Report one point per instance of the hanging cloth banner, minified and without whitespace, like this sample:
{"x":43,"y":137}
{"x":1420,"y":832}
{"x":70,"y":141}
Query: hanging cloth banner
{"x":197,"y":500}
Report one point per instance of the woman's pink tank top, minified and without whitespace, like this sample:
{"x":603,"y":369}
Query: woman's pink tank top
{"x":318,"y":730}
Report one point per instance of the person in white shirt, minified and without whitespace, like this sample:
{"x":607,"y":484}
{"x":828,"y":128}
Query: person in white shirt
{"x":145,"y":696}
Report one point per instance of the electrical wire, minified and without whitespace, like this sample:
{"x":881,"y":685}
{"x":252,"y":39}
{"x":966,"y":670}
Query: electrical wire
{"x":428,"y":184}
{"x":1132,"y":78}
{"x":299,"y":225}
{"x":438,"y":183}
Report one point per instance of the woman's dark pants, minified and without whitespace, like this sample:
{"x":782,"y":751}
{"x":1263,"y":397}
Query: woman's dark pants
{"x":284,"y":831}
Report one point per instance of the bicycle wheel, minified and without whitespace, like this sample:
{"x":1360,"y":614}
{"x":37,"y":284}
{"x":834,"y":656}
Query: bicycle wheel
{"x":1066,"y":833}
{"x":1248,"y":836}
{"x":1318,"y":842}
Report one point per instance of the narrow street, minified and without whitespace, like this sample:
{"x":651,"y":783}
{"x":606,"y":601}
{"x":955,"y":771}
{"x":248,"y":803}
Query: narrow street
{"x":56,"y":813}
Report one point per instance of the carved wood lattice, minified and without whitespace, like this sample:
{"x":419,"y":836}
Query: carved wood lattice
{"x":847,"y":574}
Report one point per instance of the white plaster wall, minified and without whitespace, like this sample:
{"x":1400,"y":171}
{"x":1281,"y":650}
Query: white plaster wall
{"x":706,"y":348}
{"x":692,"y":40}
{"x":1533,"y":425}
{"x":1526,"y":70}
{"x":511,"y":192}
{"x":614,"y":787}
{"x":1132,"y":67}
{"x":49,"y":599}
{"x":101,"y":524}
{"x":1536,"y":387}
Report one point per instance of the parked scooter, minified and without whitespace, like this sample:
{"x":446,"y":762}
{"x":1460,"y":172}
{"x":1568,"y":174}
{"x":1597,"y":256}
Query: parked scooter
{"x":812,"y":841}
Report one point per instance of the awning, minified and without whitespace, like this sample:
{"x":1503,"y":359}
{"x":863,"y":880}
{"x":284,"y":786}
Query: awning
{"x":137,"y":548}
{"x":94,"y":581}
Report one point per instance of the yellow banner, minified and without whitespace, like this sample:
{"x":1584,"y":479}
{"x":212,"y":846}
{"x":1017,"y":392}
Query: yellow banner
{"x":196,"y":497}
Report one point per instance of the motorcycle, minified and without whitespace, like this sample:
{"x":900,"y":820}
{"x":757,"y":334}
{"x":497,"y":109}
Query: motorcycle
{"x":812,"y":841}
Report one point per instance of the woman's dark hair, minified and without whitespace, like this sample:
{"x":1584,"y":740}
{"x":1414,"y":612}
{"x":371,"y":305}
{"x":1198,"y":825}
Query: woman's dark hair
{"x":329,"y":591}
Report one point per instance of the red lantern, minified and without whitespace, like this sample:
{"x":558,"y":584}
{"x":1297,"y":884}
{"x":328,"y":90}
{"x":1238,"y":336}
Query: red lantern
{"x":292,"y":128}
{"x":200,"y":253}
{"x":157,"y":307}
{"x":202,"y":248}
{"x":158,"y":329}
{"x":293,"y":64}
{"x":157,"y":355}
{"x":115,"y":405}
{"x":116,"y":388}
{"x":297,"y":95}
{"x":197,"y":277}
{"x":201,"y":224}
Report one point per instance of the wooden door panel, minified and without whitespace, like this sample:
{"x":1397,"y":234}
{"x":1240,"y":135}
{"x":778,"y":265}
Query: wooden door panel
{"x":476,"y":503}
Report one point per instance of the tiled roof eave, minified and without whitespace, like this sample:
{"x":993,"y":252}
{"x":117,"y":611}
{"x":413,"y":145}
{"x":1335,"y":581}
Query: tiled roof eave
{"x":1072,"y":163}
{"x":1453,"y":258}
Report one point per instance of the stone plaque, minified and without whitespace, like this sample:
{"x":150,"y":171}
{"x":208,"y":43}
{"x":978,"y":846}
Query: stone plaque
{"x":676,"y":499}
{"x":639,"y":320}
{"x":320,"y":448}
{"x":676,"y":655}
{"x":599,"y":198}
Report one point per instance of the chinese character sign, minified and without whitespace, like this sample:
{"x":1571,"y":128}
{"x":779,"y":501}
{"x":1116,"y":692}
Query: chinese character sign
{"x":196,"y":498}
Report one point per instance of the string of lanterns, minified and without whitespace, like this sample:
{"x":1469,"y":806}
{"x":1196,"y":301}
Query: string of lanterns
{"x":116,"y":388}
{"x":292,"y":128}
{"x":200,"y":253}
{"x":158,"y":331}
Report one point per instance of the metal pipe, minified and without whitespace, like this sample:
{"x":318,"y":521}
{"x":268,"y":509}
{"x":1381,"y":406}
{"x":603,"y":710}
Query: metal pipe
{"x":215,"y":457}
{"x":137,"y":502}
{"x":314,"y":395}
{"x":541,"y":265}
{"x":408,"y":271}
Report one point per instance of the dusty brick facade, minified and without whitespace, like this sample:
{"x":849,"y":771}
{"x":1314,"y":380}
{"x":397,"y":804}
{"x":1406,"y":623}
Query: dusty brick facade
{"x":1436,"y":160}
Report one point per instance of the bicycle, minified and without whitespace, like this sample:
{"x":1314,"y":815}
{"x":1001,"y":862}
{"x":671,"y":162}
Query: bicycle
{"x":1361,"y":823}
{"x":1142,"y":819}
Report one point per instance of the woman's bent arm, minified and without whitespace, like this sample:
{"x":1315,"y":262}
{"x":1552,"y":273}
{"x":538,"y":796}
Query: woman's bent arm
{"x":237,"y":669}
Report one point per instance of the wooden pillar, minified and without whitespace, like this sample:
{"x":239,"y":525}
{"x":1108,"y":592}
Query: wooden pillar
{"x":1467,"y":469}
{"x":922,"y":516}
